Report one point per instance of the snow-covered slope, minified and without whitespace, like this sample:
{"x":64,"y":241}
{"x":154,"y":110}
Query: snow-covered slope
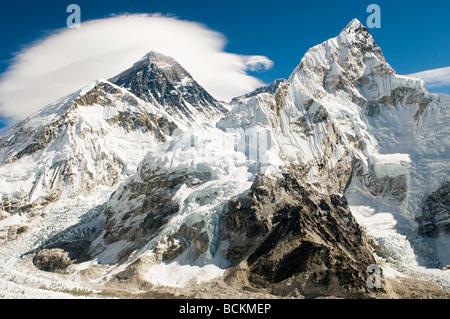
{"x":61,"y":163}
{"x":96,"y":136}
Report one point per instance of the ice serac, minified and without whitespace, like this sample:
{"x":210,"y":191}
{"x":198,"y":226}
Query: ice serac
{"x":92,"y":138}
{"x":181,"y":189}
{"x":163,"y":82}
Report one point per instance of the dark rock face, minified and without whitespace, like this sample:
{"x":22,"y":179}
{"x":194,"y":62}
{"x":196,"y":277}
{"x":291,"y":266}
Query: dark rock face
{"x":436,"y":213}
{"x":161,"y":80}
{"x":284,"y":232}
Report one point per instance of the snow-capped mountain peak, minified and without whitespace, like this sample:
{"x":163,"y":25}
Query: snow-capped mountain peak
{"x":154,"y":57}
{"x":163,"y":82}
{"x":388,"y":123}
{"x":355,"y":24}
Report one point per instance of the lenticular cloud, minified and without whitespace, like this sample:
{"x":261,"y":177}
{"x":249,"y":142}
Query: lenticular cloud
{"x":72,"y":58}
{"x":435,"y":78}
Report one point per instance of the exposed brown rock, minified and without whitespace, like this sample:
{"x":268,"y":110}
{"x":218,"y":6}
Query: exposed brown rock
{"x":290,"y":237}
{"x":53,"y":260}
{"x":435,"y":217}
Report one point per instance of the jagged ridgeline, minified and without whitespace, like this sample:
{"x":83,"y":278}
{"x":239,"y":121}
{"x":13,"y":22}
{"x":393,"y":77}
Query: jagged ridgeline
{"x":296,"y":189}
{"x":160,"y":80}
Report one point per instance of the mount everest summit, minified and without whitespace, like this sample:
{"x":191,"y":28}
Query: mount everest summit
{"x":145,"y":182}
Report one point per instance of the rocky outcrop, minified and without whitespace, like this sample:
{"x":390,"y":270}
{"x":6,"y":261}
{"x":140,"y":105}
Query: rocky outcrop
{"x":11,"y":232}
{"x":53,"y":260}
{"x":289,"y":238}
{"x":187,"y":236}
{"x":139,"y":209}
{"x":387,"y":186}
{"x":57,"y":257}
{"x":436,"y":213}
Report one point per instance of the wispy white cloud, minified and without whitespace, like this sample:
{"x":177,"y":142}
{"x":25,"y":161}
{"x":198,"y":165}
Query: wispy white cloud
{"x":71,"y":58}
{"x":258,"y":63}
{"x":434,"y":78}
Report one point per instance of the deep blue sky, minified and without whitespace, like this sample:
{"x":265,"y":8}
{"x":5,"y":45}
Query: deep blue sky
{"x":414,"y":35}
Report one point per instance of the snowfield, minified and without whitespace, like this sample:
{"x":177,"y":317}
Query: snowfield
{"x":18,"y":276}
